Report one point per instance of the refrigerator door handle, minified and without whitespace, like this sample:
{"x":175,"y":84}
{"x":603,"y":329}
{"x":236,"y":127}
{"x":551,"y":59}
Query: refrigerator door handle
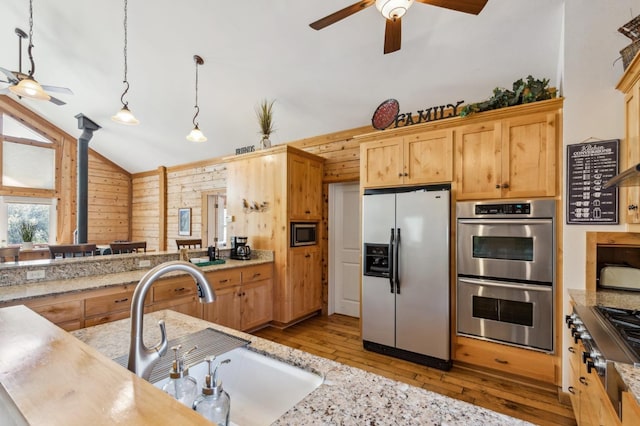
{"x":391,"y":273}
{"x":396,"y":261}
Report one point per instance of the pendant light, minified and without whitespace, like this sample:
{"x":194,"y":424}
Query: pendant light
{"x":28,"y":87}
{"x":196,"y":134}
{"x":125,"y":116}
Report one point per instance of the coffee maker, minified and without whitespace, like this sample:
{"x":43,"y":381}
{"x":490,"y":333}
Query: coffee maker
{"x":239,"y":248}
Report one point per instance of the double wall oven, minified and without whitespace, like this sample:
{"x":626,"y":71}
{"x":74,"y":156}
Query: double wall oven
{"x":506,"y":272}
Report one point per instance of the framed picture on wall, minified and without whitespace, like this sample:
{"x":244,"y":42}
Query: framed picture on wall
{"x":184,"y":221}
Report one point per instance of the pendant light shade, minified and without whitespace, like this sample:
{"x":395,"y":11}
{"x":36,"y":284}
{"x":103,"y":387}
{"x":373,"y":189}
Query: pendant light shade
{"x":196,"y":134}
{"x":392,"y":9}
{"x":125,"y":116}
{"x":29,"y":88}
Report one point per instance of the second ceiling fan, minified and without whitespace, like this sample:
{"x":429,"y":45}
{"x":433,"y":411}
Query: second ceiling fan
{"x":393,"y":10}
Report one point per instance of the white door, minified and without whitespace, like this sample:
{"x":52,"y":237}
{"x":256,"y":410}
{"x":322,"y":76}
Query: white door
{"x":344,"y":249}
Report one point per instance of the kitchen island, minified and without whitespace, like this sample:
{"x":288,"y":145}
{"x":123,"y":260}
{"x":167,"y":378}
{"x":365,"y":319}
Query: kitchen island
{"x":347,"y":396}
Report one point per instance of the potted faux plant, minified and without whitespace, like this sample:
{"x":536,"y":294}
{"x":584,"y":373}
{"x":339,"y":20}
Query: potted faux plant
{"x":27,"y":232}
{"x":264,"y":112}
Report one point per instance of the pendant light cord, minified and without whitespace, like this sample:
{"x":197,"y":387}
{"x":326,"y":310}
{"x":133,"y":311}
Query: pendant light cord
{"x":125,"y":81}
{"x":196,"y":107}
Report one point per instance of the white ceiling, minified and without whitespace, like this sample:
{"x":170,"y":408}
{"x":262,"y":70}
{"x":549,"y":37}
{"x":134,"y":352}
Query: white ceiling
{"x":323,"y":81}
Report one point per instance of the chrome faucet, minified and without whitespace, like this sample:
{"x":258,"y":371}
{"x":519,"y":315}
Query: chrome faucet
{"x":141,"y":358}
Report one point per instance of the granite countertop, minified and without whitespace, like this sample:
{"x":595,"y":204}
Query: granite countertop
{"x":616,"y":299}
{"x":348,"y":395}
{"x":49,"y":288}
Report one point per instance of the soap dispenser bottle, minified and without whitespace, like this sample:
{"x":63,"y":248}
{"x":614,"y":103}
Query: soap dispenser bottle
{"x":181,"y":386}
{"x":214,"y":403}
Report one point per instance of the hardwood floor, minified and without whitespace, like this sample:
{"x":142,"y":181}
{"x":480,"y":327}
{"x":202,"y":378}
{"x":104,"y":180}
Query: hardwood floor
{"x":337,"y":337}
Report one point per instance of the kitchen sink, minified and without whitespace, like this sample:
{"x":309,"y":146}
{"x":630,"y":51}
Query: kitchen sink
{"x":261,"y":388}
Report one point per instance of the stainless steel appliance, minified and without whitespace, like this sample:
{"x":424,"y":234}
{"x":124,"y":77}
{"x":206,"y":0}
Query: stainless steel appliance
{"x":304,"y":234}
{"x":506,"y":272}
{"x":608,"y":335}
{"x":239,"y":248}
{"x":405,"y":282}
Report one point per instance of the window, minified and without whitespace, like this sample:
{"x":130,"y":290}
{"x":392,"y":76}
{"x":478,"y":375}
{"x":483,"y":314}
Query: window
{"x":40,"y":211}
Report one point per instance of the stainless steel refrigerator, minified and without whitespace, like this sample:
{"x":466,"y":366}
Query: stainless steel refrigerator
{"x":405,"y":282}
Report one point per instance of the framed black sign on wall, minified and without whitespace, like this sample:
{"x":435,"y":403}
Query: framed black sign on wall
{"x":589,"y":166}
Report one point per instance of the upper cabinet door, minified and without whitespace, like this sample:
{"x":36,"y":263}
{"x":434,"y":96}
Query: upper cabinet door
{"x":428,"y":157}
{"x":478,"y":161}
{"x":529,"y":156}
{"x":305,"y":188}
{"x":381,"y":163}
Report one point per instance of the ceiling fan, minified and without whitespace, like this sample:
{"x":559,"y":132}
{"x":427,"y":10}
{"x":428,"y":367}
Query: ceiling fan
{"x":393,"y":10}
{"x":25,"y":85}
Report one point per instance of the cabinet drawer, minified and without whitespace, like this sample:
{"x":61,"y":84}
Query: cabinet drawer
{"x":257,"y":273}
{"x":61,"y":312}
{"x":120,"y":301}
{"x":224,"y":278}
{"x":174,"y":287}
{"x":523,"y":362}
{"x":102,"y":319}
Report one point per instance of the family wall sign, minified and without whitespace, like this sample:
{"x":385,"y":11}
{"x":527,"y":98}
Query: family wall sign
{"x":388,"y":114}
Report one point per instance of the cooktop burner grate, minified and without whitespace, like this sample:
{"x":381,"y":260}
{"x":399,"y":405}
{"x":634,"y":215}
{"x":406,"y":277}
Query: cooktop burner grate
{"x":626,"y":323}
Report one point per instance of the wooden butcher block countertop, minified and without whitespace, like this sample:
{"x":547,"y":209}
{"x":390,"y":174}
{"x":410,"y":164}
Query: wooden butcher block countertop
{"x":45,"y":370}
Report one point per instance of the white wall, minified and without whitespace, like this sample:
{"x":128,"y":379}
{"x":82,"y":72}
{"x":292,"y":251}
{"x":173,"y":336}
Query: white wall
{"x":593,"y":108}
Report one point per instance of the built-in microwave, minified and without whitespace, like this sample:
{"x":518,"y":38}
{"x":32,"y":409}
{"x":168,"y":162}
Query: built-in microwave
{"x":304,"y":234}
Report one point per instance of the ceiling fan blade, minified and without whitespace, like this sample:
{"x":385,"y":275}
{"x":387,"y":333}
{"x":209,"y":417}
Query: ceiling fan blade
{"x":57,"y":101}
{"x":341,"y":14}
{"x":10,"y":76}
{"x":392,"y":35}
{"x":473,"y":7}
{"x":57,"y":89}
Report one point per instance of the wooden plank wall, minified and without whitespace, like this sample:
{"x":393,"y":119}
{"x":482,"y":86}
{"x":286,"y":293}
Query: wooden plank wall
{"x":145,"y":208}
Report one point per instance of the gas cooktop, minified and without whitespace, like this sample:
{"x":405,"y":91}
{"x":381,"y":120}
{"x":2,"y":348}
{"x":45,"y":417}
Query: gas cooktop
{"x":626,"y":323}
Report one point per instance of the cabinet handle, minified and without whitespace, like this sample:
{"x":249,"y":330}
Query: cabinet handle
{"x":307,"y":255}
{"x":406,"y":174}
{"x":572,"y":390}
{"x":121,"y":300}
{"x":505,"y":185}
{"x":573,"y":351}
{"x":223,"y":281}
{"x":632,"y":207}
{"x":307,"y":211}
{"x":497,"y":186}
{"x":399,"y":174}
{"x":257,"y":274}
{"x":583,"y":381}
{"x":179,"y":289}
{"x":501,"y":361}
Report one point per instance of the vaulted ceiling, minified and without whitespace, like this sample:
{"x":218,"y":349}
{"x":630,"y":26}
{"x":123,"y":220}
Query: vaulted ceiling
{"x":322,"y":81}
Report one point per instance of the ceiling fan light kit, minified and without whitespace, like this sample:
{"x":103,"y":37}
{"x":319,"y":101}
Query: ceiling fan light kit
{"x":125,"y":116}
{"x":29,"y":88}
{"x":393,"y":9}
{"x":196,"y":134}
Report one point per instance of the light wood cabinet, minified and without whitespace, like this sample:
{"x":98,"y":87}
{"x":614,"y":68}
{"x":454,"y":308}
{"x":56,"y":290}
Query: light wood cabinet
{"x":422,"y":158}
{"x":109,"y":307}
{"x":277,"y":178}
{"x":508,"y":158}
{"x":630,"y":410}
{"x":305,"y":188}
{"x":629,"y":84}
{"x":509,"y":359}
{"x":67,"y":314}
{"x":244,"y":298}
{"x":306,"y":279}
{"x":591,"y":404}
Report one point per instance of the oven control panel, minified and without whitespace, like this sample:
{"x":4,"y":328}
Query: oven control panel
{"x":511,"y":208}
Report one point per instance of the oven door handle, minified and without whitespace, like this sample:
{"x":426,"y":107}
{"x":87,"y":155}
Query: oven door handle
{"x":505,"y":221}
{"x":491,"y":283}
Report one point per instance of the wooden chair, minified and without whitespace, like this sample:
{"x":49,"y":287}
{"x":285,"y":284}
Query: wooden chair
{"x":72,"y":250}
{"x":8,"y":252}
{"x":128,"y":247}
{"x":192,"y":243}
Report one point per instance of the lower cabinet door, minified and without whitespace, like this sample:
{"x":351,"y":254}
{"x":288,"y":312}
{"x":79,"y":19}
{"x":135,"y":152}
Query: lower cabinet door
{"x":257,"y":304}
{"x":225,"y":310}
